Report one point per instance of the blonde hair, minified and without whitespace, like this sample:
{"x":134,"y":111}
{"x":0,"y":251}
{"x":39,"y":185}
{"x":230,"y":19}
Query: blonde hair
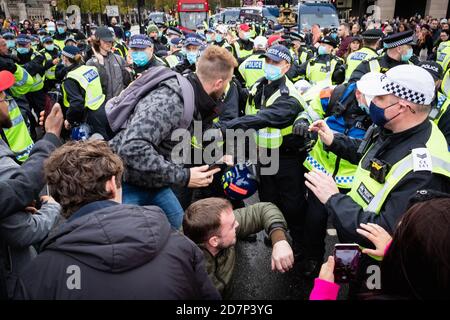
{"x":215,"y":63}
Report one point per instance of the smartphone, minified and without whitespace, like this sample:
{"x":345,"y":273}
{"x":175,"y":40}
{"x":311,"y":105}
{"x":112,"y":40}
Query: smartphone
{"x":221,"y":166}
{"x":346,"y":258}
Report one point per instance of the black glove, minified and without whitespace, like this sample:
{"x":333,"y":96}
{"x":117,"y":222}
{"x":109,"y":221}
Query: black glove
{"x":300,"y":128}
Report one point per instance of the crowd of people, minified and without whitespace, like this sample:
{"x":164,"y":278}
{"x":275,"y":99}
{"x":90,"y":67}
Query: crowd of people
{"x":94,"y":206}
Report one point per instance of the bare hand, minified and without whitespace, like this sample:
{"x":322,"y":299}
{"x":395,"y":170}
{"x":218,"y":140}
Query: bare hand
{"x":53,"y":123}
{"x":55,"y":61}
{"x":321,"y":184}
{"x":378,"y":236}
{"x":67,"y":125}
{"x":47,"y":199}
{"x":201,"y":177}
{"x":325,"y":133}
{"x":282,"y":256}
{"x":327,"y":270}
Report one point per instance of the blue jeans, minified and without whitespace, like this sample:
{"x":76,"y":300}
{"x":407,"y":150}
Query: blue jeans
{"x":162,"y":197}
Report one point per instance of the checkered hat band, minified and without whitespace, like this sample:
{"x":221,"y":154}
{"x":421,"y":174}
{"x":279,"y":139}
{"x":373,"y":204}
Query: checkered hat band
{"x":398,"y":43}
{"x":280,"y":54}
{"x":68,"y":55}
{"x":402,"y":92}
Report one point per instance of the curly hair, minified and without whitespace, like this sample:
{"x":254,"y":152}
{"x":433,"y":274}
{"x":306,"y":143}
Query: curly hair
{"x":77,"y":172}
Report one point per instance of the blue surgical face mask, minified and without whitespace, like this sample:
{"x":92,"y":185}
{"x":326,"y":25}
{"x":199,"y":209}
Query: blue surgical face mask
{"x":408,"y":55}
{"x":160,"y":34}
{"x":219,"y":38}
{"x":10,"y":44}
{"x":140,"y":58}
{"x":61,"y":30}
{"x":23,"y":50}
{"x":246,"y":36}
{"x":272,"y":72}
{"x":51,"y":30}
{"x":322,"y":50}
{"x":49,"y":47}
{"x":378,"y":116}
{"x":192,"y":56}
{"x":209,"y":38}
{"x":41,"y":38}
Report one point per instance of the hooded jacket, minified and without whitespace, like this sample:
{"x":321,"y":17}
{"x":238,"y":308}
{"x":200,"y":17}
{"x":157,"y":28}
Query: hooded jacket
{"x":106,"y":250}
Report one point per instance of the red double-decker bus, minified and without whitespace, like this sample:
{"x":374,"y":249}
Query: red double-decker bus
{"x":191,"y":13}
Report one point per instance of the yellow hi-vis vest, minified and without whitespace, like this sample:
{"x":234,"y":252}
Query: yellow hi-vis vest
{"x":38,"y":79}
{"x":59,"y":43}
{"x":319,"y":72}
{"x":172,"y":61}
{"x":441,"y":107}
{"x":18,"y":137}
{"x":326,"y":162}
{"x":272,"y":138}
{"x":443,"y":55}
{"x":445,"y":85}
{"x":241,"y":53}
{"x":88,"y":79}
{"x":24,"y":82}
{"x":371,"y":195}
{"x":252,"y":69}
{"x":50,"y":72}
{"x":354,"y":59}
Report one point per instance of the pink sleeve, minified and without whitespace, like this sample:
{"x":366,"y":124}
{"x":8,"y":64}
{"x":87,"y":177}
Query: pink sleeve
{"x":324,"y":290}
{"x":387,"y":248}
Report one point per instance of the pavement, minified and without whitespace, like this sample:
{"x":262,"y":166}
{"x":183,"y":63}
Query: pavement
{"x":254,"y":280}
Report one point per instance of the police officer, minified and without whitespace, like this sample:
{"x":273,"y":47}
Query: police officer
{"x":173,"y":32}
{"x":243,"y":47}
{"x":142,"y":55}
{"x":407,"y":152}
{"x":175,"y":56}
{"x":191,"y":48}
{"x":440,"y":113}
{"x":271,"y":109}
{"x":301,"y":53}
{"x":371,"y":40}
{"x":82,"y":94}
{"x":398,"y":51}
{"x":61,"y":34}
{"x":220,"y":40}
{"x":326,"y":68}
{"x":34,"y":63}
{"x":252,"y":68}
{"x":51,"y":54}
{"x":14,"y":132}
{"x":10,"y":39}
{"x":346,"y":112}
{"x":443,"y":51}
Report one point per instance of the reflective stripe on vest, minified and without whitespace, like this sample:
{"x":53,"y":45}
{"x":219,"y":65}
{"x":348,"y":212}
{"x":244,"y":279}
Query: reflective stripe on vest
{"x":272,"y":138}
{"x":23,"y":83}
{"x":19,"y":139}
{"x":443,"y":56}
{"x":371,"y":195}
{"x":374,"y":65}
{"x":355,"y":58}
{"x":315,"y":74}
{"x":445,"y":86}
{"x":89,"y":79}
{"x":241,"y":53}
{"x":38,"y":79}
{"x":50,"y":72}
{"x":252,"y":69}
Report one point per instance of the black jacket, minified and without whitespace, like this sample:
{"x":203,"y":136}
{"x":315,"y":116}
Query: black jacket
{"x":280,"y":114}
{"x":390,"y":147}
{"x":117,"y":252}
{"x":153,"y":62}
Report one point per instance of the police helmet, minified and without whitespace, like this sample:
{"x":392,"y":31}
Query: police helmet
{"x":240,"y":181}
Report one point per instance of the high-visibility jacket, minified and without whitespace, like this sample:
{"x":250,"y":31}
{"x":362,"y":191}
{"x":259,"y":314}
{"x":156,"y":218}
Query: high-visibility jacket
{"x":354,"y":59}
{"x":445,"y":85}
{"x":252,"y":69}
{"x":172,"y":60}
{"x":50,"y":72}
{"x":321,"y":71}
{"x":59,"y":43}
{"x":38,"y":83}
{"x":443,"y":55}
{"x":88,"y":79}
{"x":24,"y":82}
{"x":241,"y":52}
{"x":272,"y":138}
{"x":17,"y":137}
{"x":371,"y":195}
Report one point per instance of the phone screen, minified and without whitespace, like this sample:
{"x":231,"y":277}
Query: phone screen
{"x":346,"y":259}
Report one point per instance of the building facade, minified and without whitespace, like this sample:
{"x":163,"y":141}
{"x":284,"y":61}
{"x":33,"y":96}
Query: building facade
{"x":28,"y":9}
